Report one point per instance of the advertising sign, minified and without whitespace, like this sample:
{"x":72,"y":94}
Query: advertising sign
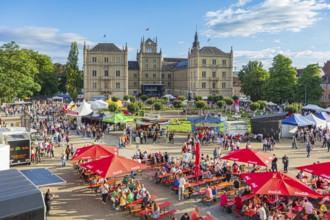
{"x":19,"y":151}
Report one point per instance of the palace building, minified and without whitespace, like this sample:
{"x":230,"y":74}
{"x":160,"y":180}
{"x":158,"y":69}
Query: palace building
{"x":108,"y":72}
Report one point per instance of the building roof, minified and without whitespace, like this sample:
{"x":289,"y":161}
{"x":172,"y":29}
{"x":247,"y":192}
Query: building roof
{"x":176,"y":66}
{"x":326,"y":67}
{"x":170,"y":66}
{"x":325,"y":79}
{"x":173,"y":60}
{"x":211,"y":51}
{"x":106,"y":47}
{"x":133,"y":65}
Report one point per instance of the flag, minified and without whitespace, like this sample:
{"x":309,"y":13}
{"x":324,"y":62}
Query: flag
{"x":147,"y":29}
{"x":104,"y":36}
{"x":208,"y":40}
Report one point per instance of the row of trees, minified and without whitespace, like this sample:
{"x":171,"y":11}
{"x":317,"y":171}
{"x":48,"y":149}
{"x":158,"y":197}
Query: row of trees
{"x":26,"y":73}
{"x":281,"y":84}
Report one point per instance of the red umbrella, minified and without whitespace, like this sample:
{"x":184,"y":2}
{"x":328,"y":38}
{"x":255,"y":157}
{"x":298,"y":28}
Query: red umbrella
{"x":276,"y":183}
{"x":113,"y":165}
{"x":251,"y":156}
{"x":95,"y":151}
{"x":198,"y":159}
{"x":318,"y":169}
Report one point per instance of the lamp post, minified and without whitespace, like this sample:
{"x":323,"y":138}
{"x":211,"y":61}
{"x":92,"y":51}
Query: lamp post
{"x":305,"y":94}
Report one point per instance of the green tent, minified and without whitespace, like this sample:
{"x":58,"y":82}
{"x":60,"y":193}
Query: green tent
{"x":117,"y":118}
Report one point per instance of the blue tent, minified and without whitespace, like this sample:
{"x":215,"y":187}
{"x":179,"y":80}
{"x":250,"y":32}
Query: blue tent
{"x":323,"y":116}
{"x":297,"y":120}
{"x":95,"y":116}
{"x":205,"y":121}
{"x":64,"y":96}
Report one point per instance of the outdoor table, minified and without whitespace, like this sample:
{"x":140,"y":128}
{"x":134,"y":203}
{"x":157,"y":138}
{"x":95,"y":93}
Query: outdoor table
{"x":247,"y":197}
{"x":162,"y":206}
{"x":224,"y":185}
{"x":137,"y":202}
{"x":290,"y":215}
{"x":249,"y":214}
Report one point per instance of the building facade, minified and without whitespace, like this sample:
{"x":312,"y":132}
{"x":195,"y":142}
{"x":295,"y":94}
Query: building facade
{"x":107,"y":71}
{"x":325,"y":83}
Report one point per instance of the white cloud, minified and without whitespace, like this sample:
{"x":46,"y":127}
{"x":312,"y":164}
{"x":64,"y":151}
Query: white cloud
{"x":300,"y":58}
{"x":181,"y":42}
{"x":269,"y":16}
{"x":46,"y":40}
{"x":277,"y":41}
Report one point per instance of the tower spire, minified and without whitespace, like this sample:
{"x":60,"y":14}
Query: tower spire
{"x":196,"y":42}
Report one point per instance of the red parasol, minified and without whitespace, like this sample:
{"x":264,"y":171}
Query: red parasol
{"x":95,"y":151}
{"x":318,"y":169}
{"x":113,"y":165}
{"x":251,"y":156}
{"x":198,"y":159}
{"x":276,"y":183}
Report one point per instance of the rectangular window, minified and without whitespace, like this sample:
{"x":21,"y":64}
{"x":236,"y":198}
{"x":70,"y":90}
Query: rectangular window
{"x":154,"y":60}
{"x":203,"y":85}
{"x":214,"y":62}
{"x":106,"y":86}
{"x":213,"y":85}
{"x":146,"y":75}
{"x":94,"y":73}
{"x":169,"y":76}
{"x":163,"y":76}
{"x":154,"y":76}
{"x":106,"y":73}
{"x":203,"y":62}
{"x":94,"y":85}
{"x":118,"y":60}
{"x":214,"y":74}
{"x":224,"y":62}
{"x":135,"y":84}
{"x":117,"y":73}
{"x":135,"y":75}
{"x":169,"y":84}
{"x":204,"y":74}
{"x":146,"y":66}
{"x":155,"y":66}
{"x":106,"y":59}
{"x":93,"y":59}
{"x":117,"y":85}
{"x":223,"y":85}
{"x":223,"y":74}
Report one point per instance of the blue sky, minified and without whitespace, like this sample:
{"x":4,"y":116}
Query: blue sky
{"x":256,"y":29}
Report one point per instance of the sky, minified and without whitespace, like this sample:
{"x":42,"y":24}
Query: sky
{"x":256,"y":29}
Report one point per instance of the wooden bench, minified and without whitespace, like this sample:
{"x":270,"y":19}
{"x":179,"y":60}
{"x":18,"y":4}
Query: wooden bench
{"x":169,"y":213}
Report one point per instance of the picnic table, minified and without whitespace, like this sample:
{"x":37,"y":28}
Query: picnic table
{"x":162,"y":206}
{"x":137,"y":202}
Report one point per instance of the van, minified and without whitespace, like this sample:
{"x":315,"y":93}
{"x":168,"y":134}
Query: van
{"x":57,"y":99}
{"x":235,"y":128}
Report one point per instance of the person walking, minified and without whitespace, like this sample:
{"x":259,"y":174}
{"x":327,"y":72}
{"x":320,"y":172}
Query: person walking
{"x":274,"y":163}
{"x":63,"y":159}
{"x":308,"y":148}
{"x":328,"y":144}
{"x":137,"y":141}
{"x":104,"y":191}
{"x":48,"y":200}
{"x":182,"y":182}
{"x":294,"y":142}
{"x":285,"y":161}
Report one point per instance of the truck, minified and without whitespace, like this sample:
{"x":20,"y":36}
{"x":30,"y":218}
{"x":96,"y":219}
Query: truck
{"x":19,"y":145}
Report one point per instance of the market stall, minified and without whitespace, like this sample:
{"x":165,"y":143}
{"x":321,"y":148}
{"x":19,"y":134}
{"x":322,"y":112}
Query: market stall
{"x":296,"y":120}
{"x":118,"y":121}
{"x":205,"y":122}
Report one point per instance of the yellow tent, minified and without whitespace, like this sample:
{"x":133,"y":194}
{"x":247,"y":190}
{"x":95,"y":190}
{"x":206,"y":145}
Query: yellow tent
{"x":118,"y":103}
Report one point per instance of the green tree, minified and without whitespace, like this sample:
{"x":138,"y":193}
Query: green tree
{"x":158,"y":106}
{"x":200,"y":104}
{"x":253,"y":78}
{"x":60,"y":72}
{"x":262,"y":104}
{"x":126,"y":97}
{"x":309,"y":85}
{"x":280,"y":87}
{"x":18,"y":70}
{"x":144,"y":98}
{"x":132,"y":98}
{"x":114,"y":99}
{"x":165,"y":99}
{"x":112,"y":107}
{"x":254,"y":106}
{"x":210,"y":98}
{"x":221,"y":104}
{"x":177,"y":104}
{"x":74,"y":76}
{"x":151,"y":101}
{"x":132,"y":108}
{"x":229,"y":102}
{"x":182,"y":98}
{"x":293,"y":108}
{"x":199,"y":98}
{"x":235,"y":97}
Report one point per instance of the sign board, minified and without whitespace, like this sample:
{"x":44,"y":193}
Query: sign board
{"x":149,"y":115}
{"x":19,"y":151}
{"x":4,"y":157}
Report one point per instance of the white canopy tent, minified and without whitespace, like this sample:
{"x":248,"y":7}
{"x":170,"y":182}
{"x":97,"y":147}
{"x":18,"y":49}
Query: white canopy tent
{"x":271,"y":103}
{"x":319,"y":122}
{"x":324,"y":116}
{"x":83,"y":110}
{"x":169,"y":96}
{"x":296,"y":120}
{"x":314,"y":108}
{"x":99,"y":104}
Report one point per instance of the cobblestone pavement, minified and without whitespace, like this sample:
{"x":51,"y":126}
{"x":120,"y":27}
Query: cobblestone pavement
{"x":73,"y":199}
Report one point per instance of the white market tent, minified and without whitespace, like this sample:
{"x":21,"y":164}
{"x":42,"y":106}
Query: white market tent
{"x":319,"y":122}
{"x":83,"y":110}
{"x":327,"y":109}
{"x":99,"y":104}
{"x":169,"y":96}
{"x":323,"y":116}
{"x":271,"y":103}
{"x":296,"y":120}
{"x":314,"y":108}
